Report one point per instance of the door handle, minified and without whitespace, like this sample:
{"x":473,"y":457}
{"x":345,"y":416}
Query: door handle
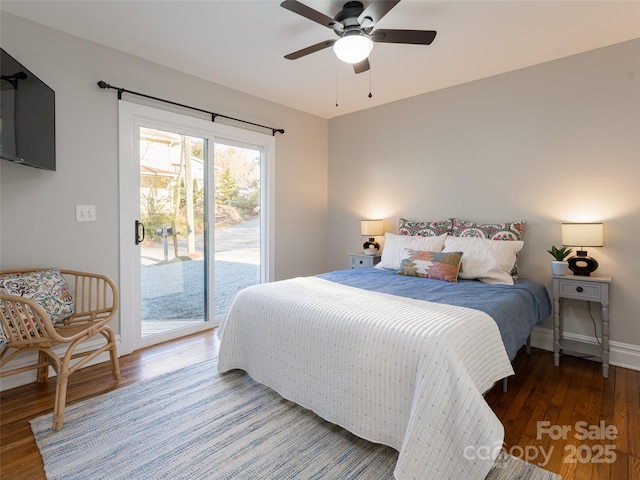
{"x":138,"y":227}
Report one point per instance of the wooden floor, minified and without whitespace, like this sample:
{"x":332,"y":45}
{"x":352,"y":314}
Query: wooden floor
{"x":562,"y":397}
{"x":569,"y":419}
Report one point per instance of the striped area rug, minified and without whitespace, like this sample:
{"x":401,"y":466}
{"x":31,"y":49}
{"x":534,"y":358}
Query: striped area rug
{"x":198,"y":424}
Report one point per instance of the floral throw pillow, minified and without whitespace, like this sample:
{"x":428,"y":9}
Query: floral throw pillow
{"x":424,"y":229}
{"x":435,"y":265}
{"x":492,"y":231}
{"x":4,"y":339}
{"x":48,"y":288}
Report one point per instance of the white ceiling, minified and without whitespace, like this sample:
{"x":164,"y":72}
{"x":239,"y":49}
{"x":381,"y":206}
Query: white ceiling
{"x":241,"y":43}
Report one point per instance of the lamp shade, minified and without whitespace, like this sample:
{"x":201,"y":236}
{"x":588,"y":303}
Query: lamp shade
{"x":353,"y":48}
{"x":582,"y":234}
{"x":371,"y":228}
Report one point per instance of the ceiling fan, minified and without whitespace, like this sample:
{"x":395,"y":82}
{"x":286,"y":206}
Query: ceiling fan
{"x":354,"y":25}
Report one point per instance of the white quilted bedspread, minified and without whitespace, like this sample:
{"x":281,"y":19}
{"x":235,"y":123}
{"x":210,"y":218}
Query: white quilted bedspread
{"x":401,"y":372}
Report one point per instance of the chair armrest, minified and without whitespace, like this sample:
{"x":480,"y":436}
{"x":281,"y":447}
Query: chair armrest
{"x":24,"y":321}
{"x":95,"y":297}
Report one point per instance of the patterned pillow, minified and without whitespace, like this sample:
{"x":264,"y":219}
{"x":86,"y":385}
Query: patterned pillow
{"x":424,"y":229}
{"x":48,"y":288}
{"x":4,"y":339}
{"x":492,"y":231}
{"x":436,"y":265}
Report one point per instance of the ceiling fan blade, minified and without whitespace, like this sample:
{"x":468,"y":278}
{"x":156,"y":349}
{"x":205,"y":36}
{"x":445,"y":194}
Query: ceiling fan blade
{"x":313,"y":15}
{"x":376,"y":10}
{"x":362,"y":66}
{"x":416,"y":37}
{"x":313,"y":48}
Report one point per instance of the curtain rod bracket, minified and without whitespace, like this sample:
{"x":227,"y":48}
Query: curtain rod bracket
{"x":103,"y":84}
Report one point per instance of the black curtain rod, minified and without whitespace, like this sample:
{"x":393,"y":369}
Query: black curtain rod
{"x":103,"y":84}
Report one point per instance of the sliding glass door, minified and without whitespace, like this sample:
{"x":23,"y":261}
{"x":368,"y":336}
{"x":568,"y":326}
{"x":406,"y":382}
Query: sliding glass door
{"x":237,"y":229}
{"x":194,"y":221}
{"x":174,"y":258}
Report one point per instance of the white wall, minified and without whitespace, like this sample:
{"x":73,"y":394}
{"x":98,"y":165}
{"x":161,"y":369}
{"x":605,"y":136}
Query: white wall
{"x":37,"y":212}
{"x":546,"y":144}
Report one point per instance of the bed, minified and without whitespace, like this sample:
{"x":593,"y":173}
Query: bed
{"x":401,"y":360}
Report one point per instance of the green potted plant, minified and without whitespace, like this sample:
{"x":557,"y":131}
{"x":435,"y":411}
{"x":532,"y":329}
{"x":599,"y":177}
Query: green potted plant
{"x":559,"y":266}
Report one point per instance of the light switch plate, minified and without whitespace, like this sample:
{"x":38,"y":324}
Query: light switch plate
{"x":85,"y":213}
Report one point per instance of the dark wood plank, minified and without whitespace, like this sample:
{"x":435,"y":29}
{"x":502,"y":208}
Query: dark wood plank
{"x":563,"y":396}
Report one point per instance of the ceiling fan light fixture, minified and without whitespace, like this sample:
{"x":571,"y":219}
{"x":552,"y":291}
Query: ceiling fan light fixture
{"x":353,"y":48}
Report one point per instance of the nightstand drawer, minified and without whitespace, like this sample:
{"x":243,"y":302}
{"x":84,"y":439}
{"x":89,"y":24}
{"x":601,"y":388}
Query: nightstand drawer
{"x":362,"y":260}
{"x":581,"y":290}
{"x":357,"y":262}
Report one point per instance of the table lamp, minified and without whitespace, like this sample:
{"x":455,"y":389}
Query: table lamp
{"x":582,"y":235}
{"x":371,"y":228}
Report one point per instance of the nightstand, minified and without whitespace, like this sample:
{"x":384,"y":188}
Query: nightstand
{"x":359,"y":260}
{"x":576,"y":287}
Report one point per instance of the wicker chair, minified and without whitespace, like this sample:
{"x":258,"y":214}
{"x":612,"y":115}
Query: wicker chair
{"x":28,"y":327}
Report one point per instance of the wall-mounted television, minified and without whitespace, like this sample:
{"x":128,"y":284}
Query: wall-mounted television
{"x":27,"y":116}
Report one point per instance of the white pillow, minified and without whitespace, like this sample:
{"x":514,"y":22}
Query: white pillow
{"x":394,"y":246}
{"x":489,"y":261}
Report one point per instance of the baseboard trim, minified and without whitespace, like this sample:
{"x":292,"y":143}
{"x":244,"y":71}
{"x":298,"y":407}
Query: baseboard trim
{"x":25,"y":359}
{"x":621,"y":354}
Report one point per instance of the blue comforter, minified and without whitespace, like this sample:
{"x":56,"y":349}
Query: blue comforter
{"x":515,"y":308}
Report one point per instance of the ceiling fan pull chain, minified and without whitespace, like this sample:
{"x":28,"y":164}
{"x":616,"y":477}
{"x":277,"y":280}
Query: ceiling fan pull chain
{"x":336,"y":84}
{"x":370,"y":94}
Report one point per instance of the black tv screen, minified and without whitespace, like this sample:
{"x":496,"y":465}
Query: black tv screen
{"x":27,"y":116}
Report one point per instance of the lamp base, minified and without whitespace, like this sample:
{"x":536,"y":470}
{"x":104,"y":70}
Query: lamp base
{"x":371,"y":247}
{"x":582,"y":264}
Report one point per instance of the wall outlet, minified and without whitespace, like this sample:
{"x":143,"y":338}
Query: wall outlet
{"x":85,"y":213}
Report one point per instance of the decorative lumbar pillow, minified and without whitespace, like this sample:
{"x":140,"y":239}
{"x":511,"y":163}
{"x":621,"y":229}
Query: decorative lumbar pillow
{"x":483,"y":259}
{"x":48,"y":288}
{"x":394,"y":246}
{"x":435,"y":265}
{"x":424,"y":229}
